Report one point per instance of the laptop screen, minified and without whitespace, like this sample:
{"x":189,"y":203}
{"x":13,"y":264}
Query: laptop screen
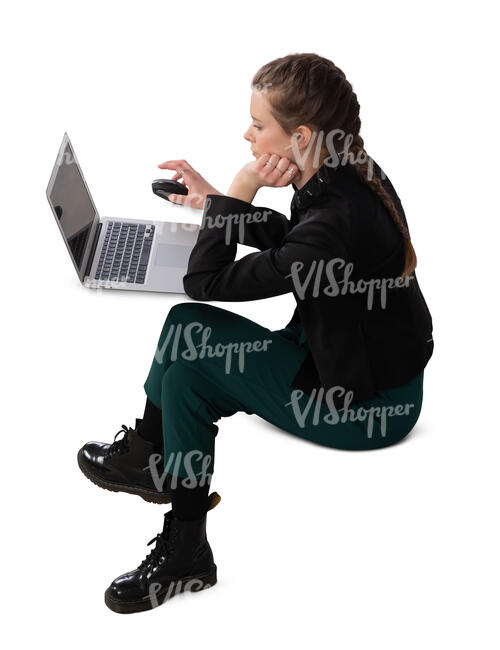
{"x":72,"y":203}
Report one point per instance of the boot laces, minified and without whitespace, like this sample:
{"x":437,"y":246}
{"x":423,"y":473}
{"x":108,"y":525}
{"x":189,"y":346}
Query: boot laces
{"x":161,"y":550}
{"x":121,"y":445}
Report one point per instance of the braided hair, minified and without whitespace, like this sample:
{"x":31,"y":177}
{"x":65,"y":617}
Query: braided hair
{"x":311,"y":90}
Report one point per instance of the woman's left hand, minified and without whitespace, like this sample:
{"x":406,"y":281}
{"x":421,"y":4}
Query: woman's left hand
{"x":269,"y":170}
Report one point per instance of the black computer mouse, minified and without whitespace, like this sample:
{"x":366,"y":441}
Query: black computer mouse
{"x":164,"y":186}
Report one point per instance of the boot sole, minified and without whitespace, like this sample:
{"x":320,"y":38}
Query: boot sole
{"x":189,"y":583}
{"x":152,"y":496}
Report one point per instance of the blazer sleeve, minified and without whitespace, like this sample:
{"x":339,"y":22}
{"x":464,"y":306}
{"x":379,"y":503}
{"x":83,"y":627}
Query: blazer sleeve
{"x":213,"y":273}
{"x":257,"y":227}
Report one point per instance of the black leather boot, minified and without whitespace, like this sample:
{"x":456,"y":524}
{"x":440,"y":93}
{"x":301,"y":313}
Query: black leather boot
{"x":181,"y":560}
{"x":125,"y":465}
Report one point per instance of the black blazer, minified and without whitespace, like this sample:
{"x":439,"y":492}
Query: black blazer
{"x":340,"y":235}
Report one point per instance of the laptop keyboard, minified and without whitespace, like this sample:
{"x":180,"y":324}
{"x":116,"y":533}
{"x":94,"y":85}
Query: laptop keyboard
{"x":125,"y":252}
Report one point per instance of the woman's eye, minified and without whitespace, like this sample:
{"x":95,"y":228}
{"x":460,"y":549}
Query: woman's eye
{"x":257,"y":127}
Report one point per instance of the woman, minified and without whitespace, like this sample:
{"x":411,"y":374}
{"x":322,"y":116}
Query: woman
{"x":345,"y":372}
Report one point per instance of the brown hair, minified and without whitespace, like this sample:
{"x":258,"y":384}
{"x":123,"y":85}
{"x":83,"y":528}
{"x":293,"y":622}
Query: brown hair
{"x":309,"y":89}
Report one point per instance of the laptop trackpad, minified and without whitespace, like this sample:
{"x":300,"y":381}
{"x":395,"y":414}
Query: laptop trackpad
{"x":172,"y":255}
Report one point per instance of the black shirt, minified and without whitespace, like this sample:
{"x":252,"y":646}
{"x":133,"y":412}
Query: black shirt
{"x":341,"y":256}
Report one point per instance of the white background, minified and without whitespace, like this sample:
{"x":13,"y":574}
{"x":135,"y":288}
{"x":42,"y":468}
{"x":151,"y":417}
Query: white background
{"x":396,"y":548}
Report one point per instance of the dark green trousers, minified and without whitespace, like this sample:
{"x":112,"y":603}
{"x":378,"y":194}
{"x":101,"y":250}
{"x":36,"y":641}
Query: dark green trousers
{"x":211,"y":363}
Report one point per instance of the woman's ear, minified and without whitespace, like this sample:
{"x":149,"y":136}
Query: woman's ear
{"x":302,"y":135}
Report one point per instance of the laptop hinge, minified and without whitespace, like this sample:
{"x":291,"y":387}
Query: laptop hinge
{"x":92,"y":250}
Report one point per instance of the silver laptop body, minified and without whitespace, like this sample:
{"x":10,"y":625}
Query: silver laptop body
{"x":128,"y":254}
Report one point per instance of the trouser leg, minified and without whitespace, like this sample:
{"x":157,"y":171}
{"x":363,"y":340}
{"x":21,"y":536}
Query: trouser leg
{"x":194,"y":382}
{"x":191,"y":405}
{"x":195,"y":389}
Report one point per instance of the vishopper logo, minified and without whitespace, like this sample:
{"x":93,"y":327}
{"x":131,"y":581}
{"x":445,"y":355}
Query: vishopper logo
{"x":174,"y":226}
{"x":180,"y":337}
{"x":65,"y":158}
{"x":172,"y":466}
{"x":227,"y":221}
{"x":313,"y":412}
{"x":321,"y":268}
{"x":264,"y":87}
{"x":334,"y":160}
{"x":174,"y":587}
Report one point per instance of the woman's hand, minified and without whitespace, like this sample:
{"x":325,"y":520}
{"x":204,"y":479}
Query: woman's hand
{"x":197,"y":186}
{"x":268,"y":170}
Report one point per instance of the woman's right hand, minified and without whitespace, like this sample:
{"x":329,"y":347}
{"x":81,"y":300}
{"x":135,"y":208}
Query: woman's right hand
{"x":198,"y":187}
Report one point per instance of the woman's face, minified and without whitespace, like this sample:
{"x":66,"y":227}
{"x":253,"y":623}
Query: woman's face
{"x":264,"y":133}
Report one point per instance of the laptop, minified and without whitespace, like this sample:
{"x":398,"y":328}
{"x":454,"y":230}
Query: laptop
{"x":128,"y":254}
